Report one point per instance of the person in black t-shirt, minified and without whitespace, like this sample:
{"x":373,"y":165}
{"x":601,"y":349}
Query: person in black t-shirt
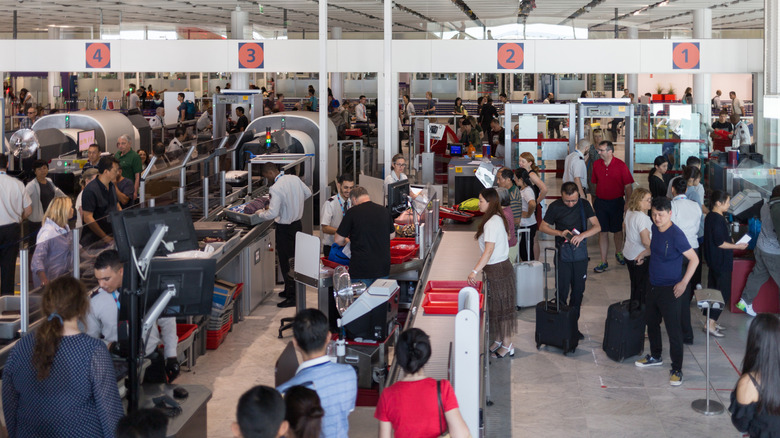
{"x":98,"y":201}
{"x":369,"y":228}
{"x":718,"y":253}
{"x":242,"y":122}
{"x":570,"y":216}
{"x":722,"y":132}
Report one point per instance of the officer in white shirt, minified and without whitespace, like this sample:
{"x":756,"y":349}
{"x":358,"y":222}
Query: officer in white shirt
{"x":574,"y":168}
{"x":334,"y":209}
{"x":103,"y":316}
{"x":360,"y":111}
{"x":157,"y":121}
{"x":686,"y":214}
{"x":180,"y":136}
{"x":288,"y":193}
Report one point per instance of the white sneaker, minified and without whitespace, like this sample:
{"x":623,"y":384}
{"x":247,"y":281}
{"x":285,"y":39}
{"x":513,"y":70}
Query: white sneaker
{"x":745,"y":307}
{"x":698,"y":286}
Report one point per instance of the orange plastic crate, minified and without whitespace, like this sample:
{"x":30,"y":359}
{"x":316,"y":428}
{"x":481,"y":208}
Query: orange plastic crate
{"x":450,"y":286}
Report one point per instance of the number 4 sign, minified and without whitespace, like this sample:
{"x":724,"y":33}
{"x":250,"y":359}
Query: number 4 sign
{"x":685,"y":56}
{"x":98,"y":55}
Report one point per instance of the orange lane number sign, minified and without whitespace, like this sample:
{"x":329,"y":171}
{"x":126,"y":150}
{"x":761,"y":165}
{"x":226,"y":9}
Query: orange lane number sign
{"x":685,"y":56}
{"x":250,"y":55}
{"x":511,"y":56}
{"x":98,"y":55}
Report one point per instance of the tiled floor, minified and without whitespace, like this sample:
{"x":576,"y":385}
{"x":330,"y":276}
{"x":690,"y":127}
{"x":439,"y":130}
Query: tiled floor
{"x":584,"y":394}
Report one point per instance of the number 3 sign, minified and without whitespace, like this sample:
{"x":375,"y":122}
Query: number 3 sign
{"x":511,"y":56}
{"x":685,"y":56}
{"x":250,"y":55}
{"x":98,"y":55}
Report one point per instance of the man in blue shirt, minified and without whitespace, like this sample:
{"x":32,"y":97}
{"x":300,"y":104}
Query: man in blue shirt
{"x":336,"y":384}
{"x":668,"y":247}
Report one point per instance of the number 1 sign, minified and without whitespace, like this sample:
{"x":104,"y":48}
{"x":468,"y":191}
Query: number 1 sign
{"x":98,"y":55}
{"x":511,"y":56}
{"x":685,"y":56}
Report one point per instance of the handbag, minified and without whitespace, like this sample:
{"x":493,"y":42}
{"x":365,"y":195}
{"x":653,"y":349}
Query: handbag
{"x":570,"y":253}
{"x":442,"y":420}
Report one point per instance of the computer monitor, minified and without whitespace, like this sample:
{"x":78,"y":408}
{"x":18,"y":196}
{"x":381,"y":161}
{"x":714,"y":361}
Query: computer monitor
{"x":193,"y":280}
{"x":456,"y":150}
{"x":397,"y":196}
{"x":134,"y":228}
{"x":85,"y":138}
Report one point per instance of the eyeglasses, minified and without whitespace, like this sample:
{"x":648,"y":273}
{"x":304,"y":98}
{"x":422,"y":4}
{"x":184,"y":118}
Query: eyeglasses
{"x":400,"y":164}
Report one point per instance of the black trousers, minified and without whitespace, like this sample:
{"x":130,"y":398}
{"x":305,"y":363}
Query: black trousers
{"x":638,"y":274}
{"x":661,"y":304}
{"x":685,"y":305}
{"x":9,"y":250}
{"x":720,"y":280}
{"x":525,"y":245}
{"x":285,"y":250}
{"x":571,"y":278}
{"x":325,"y":250}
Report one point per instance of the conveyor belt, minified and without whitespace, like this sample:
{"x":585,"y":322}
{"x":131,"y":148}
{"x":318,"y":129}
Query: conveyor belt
{"x":455,"y":257}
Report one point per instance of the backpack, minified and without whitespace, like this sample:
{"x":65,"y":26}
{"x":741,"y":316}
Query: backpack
{"x":189,"y":110}
{"x":712,"y":104}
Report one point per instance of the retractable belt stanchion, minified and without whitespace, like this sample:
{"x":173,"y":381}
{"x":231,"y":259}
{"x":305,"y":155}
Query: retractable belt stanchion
{"x":708,"y":299}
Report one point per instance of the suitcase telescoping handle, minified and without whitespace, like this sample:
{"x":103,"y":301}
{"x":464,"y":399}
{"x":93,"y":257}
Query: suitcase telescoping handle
{"x":555,"y":274}
{"x":527,"y":232}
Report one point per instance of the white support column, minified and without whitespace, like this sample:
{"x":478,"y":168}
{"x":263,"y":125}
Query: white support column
{"x":322,"y":153}
{"x":55,"y":80}
{"x":632,"y":79}
{"x":336,"y":78}
{"x":389,"y":118}
{"x":702,"y":93}
{"x":768,"y":136}
{"x":238,"y":20}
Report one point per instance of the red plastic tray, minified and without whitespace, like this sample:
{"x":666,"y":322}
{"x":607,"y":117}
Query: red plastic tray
{"x":460,"y":216}
{"x":330,"y":263}
{"x":444,"y":303}
{"x":450,"y":286}
{"x":214,"y":338}
{"x":402,"y":251}
{"x":184,"y":331}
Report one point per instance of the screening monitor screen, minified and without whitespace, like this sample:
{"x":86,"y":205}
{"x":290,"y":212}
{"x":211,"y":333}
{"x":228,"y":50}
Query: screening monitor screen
{"x":134,"y":227}
{"x":86,"y":138}
{"x":193,"y":280}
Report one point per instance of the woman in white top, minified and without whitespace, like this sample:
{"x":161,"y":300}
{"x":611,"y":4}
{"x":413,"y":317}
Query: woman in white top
{"x":397,"y":174}
{"x":528,"y":162}
{"x":497,"y":273}
{"x":637,"y":246}
{"x":528,"y":218}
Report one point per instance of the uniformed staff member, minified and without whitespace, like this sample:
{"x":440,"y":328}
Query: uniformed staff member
{"x":288,"y":193}
{"x":15,"y":205}
{"x":334,"y":209}
{"x":574,"y":168}
{"x":103,"y":317}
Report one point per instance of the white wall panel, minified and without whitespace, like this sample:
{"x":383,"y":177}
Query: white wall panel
{"x":449,"y":56}
{"x":171,"y":55}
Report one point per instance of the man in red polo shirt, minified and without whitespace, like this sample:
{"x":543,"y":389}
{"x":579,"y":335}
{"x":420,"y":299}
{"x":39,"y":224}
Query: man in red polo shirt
{"x":612,"y":180}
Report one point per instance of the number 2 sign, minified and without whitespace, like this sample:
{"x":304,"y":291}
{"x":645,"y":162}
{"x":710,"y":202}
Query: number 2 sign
{"x":98,"y":55}
{"x":685,"y":56}
{"x":511,"y":56}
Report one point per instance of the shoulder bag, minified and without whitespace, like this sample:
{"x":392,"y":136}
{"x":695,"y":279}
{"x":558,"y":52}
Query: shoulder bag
{"x":443,"y":431}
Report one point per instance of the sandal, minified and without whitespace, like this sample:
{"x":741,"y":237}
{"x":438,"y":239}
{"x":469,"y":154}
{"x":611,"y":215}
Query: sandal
{"x":496,"y":345}
{"x":510,"y":350}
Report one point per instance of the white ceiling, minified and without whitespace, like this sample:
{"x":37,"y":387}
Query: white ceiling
{"x":366,"y":15}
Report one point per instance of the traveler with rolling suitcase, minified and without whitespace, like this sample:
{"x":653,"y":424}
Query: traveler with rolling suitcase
{"x":570,"y":216}
{"x":637,"y":246}
{"x":498,"y":275}
{"x":527,"y":218}
{"x":556,"y":323}
{"x":668,"y":247}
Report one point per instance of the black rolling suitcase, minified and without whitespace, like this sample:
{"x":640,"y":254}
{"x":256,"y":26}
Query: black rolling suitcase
{"x":624,"y":331}
{"x":556,"y":323}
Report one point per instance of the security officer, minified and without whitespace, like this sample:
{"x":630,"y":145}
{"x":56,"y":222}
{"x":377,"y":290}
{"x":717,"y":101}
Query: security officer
{"x":288,"y":194}
{"x":15,"y":205}
{"x":103,"y":317}
{"x":334,"y":210}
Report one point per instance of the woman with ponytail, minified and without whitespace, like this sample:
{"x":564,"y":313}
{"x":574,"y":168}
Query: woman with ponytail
{"x":528,"y":162}
{"x":59,"y":382}
{"x":418,"y":406}
{"x":303,"y":412}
